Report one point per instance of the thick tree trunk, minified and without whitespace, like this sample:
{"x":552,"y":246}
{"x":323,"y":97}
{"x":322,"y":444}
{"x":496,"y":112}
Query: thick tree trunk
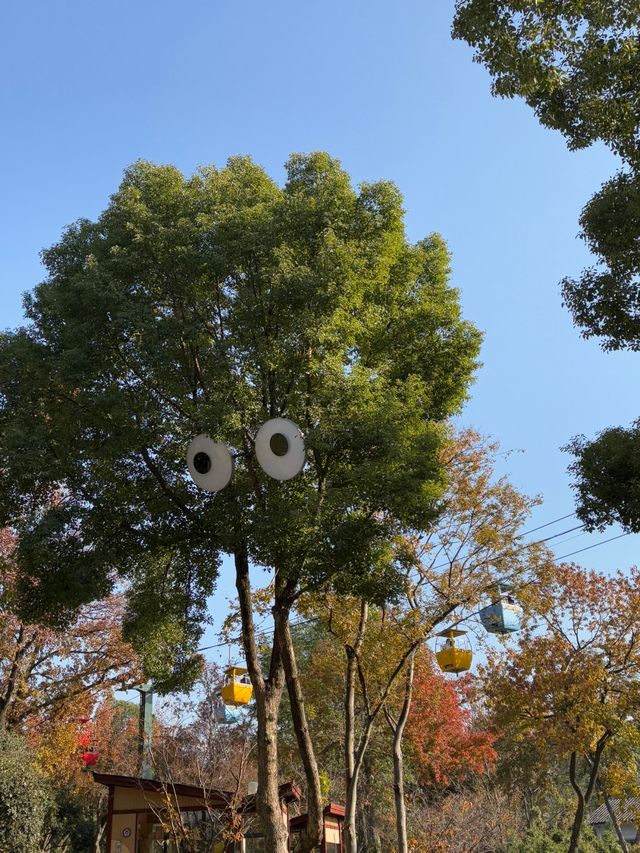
{"x":312,"y":835}
{"x":12,"y":681}
{"x":368,"y":819}
{"x":398,"y":727}
{"x":268,"y":694}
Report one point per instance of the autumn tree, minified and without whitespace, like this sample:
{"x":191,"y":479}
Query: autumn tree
{"x":47,"y":674}
{"x":446,"y":573}
{"x":446,"y":747}
{"x":573,"y":687}
{"x":56,"y":744}
{"x":576,"y":64}
{"x":211,"y":304}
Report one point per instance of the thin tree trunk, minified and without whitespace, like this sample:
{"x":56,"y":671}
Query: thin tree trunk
{"x":355,"y":755}
{"x":398,"y":727}
{"x":101,"y":828}
{"x":312,"y":834}
{"x":616,"y":825}
{"x":349,"y":832}
{"x":576,"y":829}
{"x":584,"y":798}
{"x":267,"y":693}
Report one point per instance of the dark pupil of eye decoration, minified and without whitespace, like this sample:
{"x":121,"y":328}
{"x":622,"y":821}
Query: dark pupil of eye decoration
{"x":202,"y":463}
{"x":279,"y":444}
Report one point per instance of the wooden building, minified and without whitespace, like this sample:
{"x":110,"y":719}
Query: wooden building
{"x":141,"y":810}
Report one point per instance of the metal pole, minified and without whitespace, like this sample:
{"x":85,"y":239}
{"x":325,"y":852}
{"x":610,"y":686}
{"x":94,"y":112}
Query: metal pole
{"x":145,"y":730}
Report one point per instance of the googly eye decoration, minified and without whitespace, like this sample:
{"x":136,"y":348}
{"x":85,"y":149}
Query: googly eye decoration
{"x":280,"y":448}
{"x":210,"y":463}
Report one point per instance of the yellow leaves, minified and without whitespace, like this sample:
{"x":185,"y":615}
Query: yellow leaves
{"x":576,"y":683}
{"x":58,"y":754}
{"x":620,"y":779}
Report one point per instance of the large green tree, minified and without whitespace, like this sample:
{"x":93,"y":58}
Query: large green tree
{"x":577,"y":64}
{"x":211,"y":304}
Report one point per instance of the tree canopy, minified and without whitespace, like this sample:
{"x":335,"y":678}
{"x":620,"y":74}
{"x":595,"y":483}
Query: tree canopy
{"x":209,"y":304}
{"x":577,"y":64}
{"x":572,"y":689}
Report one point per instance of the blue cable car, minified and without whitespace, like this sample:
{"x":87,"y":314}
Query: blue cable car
{"x":503,"y":616}
{"x":224,"y":715}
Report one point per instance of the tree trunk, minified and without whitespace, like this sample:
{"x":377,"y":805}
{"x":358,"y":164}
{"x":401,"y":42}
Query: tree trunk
{"x":584,"y":798}
{"x":312,"y":835}
{"x":576,"y":829}
{"x":616,"y":825}
{"x":368,"y":819}
{"x":12,"y":681}
{"x":349,"y":833}
{"x":97,"y":845}
{"x":398,"y":727}
{"x":267,"y":693}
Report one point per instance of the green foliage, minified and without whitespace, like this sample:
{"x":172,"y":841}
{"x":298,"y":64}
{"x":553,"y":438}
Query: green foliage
{"x":577,"y":64}
{"x":72,"y":823}
{"x":605,"y":299}
{"x":607,"y":472}
{"x":540,"y":838}
{"x":24,"y":798}
{"x":210,"y":304}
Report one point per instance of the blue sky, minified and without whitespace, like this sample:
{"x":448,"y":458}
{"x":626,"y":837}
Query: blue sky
{"x":87,"y":88}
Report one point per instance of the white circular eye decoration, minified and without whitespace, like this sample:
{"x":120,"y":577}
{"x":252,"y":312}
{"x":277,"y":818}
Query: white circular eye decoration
{"x":280,"y":448}
{"x":210,"y":463}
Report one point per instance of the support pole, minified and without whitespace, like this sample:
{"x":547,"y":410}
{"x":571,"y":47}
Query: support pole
{"x":145,"y":722}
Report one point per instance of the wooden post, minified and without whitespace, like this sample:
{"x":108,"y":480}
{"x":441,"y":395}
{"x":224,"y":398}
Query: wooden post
{"x":109,"y":817}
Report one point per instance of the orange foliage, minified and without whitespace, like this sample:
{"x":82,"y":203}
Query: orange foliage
{"x":445,"y":745}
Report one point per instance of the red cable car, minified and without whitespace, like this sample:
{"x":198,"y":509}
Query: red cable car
{"x":89,"y":752}
{"x":90,"y":756}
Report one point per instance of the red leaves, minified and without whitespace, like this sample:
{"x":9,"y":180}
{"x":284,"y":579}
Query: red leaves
{"x":440,"y":729}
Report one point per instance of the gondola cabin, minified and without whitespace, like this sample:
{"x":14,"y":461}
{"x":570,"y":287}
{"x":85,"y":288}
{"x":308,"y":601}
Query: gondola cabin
{"x":224,"y":715}
{"x":453,"y":657}
{"x":502,"y":617}
{"x":237,"y":688}
{"x":88,"y":751}
{"x":90,"y":756}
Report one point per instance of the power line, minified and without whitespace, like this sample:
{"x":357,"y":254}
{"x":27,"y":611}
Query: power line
{"x":443,"y":565}
{"x":555,"y":559}
{"x":260,"y":634}
{"x":514,"y":553}
{"x":595,"y":545}
{"x":548,"y":524}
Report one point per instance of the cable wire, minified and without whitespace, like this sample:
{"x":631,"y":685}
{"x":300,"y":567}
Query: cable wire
{"x":443,"y":565}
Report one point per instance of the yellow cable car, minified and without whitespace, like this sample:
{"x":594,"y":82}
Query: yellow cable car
{"x":237,"y":688}
{"x":452,"y":658}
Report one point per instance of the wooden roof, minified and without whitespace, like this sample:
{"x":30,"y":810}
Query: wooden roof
{"x":332,"y":810}
{"x":216,"y":797}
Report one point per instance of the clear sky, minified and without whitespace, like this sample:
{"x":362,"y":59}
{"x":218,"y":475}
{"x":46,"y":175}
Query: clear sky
{"x":87,"y":88}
